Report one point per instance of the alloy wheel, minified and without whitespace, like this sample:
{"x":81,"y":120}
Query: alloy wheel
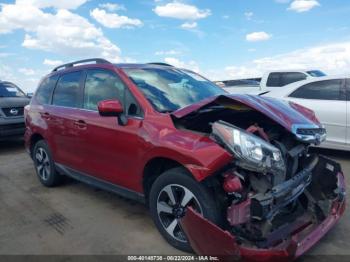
{"x":43,"y":165}
{"x":171,"y":206}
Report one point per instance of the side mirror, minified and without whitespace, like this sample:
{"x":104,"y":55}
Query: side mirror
{"x":112,"y":108}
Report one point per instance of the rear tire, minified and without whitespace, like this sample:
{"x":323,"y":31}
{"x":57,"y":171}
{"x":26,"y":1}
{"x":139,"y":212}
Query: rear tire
{"x":185,"y":192}
{"x":44,"y":165}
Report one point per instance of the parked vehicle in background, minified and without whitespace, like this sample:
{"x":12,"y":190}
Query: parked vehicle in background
{"x":270,"y":81}
{"x":329,"y":98}
{"x":221,"y":174}
{"x":12,"y":103}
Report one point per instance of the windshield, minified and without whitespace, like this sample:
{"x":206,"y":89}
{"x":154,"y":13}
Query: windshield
{"x":316,"y":73}
{"x":10,"y":90}
{"x":169,"y":89}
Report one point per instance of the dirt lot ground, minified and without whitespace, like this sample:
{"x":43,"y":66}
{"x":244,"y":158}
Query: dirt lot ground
{"x":78,"y":219}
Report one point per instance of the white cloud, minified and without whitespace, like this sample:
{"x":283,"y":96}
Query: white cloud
{"x":258,"y":36}
{"x":50,"y":62}
{"x":248,"y":15}
{"x":26,"y":71}
{"x":189,"y":25}
{"x":112,"y":20}
{"x":61,"y":4}
{"x":167,"y":52}
{"x":112,"y":7}
{"x":331,"y":58}
{"x":192,"y":65}
{"x":303,"y":5}
{"x":225,"y":16}
{"x":181,"y":11}
{"x":60,"y":32}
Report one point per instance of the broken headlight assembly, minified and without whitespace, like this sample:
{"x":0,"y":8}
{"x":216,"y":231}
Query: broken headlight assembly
{"x":251,"y":152}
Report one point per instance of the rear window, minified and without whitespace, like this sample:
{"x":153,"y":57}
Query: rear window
{"x":44,"y":92}
{"x":67,"y":91}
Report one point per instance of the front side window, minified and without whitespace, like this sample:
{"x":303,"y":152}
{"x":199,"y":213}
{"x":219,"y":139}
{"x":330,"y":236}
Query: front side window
{"x":322,"y":90}
{"x":67,"y":90}
{"x":8,"y":89}
{"x":43,"y":94}
{"x":102,"y":85}
{"x":169,"y":89}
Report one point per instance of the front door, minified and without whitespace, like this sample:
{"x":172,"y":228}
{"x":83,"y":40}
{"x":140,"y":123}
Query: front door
{"x":111,"y":150}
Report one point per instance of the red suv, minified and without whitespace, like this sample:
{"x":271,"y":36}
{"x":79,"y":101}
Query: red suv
{"x":222,"y":174}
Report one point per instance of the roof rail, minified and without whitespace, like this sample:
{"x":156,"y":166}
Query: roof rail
{"x":96,"y":60}
{"x":160,"y":63}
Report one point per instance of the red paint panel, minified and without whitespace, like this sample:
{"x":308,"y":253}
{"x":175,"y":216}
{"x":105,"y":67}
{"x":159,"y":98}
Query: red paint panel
{"x":207,"y":238}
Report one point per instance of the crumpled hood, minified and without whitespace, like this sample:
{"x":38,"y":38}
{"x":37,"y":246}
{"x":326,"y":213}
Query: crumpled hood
{"x":285,"y":113}
{"x":7,"y":102}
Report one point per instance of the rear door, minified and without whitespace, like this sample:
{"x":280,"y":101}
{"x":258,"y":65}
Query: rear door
{"x":328,"y":100}
{"x":65,"y":130}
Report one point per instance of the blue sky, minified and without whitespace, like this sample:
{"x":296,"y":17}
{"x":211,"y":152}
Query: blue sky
{"x":220,"y":39}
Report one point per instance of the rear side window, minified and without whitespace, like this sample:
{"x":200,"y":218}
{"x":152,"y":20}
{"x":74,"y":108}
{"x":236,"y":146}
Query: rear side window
{"x":44,"y":92}
{"x":102,"y":85}
{"x":322,"y":90}
{"x":67,"y":90}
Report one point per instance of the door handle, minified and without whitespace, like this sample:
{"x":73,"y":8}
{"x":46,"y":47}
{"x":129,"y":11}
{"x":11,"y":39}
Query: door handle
{"x":81,"y":124}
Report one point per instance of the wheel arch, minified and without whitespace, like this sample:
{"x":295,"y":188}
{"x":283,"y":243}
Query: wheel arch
{"x":33,"y":140}
{"x":155,"y":167}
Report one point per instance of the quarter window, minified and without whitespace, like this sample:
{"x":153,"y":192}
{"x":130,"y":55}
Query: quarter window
{"x":322,"y":90}
{"x":43,"y":94}
{"x":67,"y":90}
{"x":102,"y":85}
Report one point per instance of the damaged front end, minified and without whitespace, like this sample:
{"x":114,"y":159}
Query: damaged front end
{"x":278,"y":198}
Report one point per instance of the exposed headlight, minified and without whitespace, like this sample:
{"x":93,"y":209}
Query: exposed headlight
{"x":252,"y":152}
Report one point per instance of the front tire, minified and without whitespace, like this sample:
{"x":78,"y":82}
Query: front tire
{"x":170,"y":194}
{"x":44,"y":165}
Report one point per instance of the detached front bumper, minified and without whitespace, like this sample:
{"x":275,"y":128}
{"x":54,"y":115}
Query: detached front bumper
{"x":208,"y":239}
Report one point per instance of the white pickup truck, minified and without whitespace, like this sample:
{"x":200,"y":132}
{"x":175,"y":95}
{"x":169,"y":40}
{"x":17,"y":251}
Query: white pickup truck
{"x":268,"y":82}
